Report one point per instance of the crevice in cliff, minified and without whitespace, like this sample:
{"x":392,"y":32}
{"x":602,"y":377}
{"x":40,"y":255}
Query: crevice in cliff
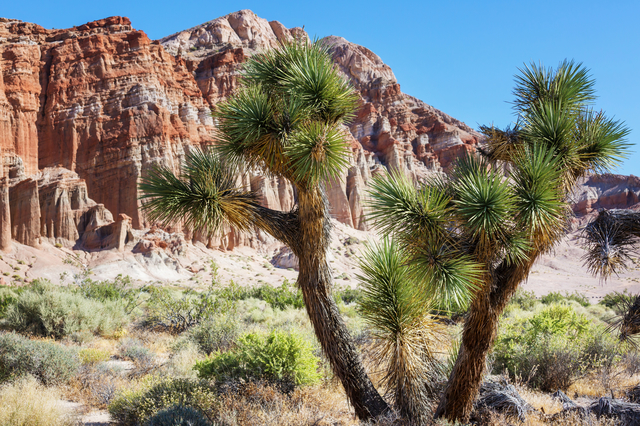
{"x":45,"y":76}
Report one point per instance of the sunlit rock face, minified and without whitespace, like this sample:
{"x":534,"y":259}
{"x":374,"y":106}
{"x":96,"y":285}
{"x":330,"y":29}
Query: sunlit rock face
{"x":86,"y":111}
{"x":606,"y":191}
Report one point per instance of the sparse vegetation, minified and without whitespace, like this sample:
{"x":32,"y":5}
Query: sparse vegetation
{"x":47,"y":361}
{"x":50,"y":311}
{"x":134,"y":406}
{"x":26,"y":402}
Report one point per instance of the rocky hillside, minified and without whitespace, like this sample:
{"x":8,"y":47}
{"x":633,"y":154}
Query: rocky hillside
{"x":86,"y":111}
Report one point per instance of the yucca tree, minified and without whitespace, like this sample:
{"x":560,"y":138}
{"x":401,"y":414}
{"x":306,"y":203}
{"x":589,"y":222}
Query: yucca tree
{"x":610,"y":240}
{"x":286,"y":121}
{"x":397,"y":312}
{"x":477,"y":233}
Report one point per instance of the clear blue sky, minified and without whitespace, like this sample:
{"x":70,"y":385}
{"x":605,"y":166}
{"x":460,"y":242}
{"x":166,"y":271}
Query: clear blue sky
{"x":459,"y":56}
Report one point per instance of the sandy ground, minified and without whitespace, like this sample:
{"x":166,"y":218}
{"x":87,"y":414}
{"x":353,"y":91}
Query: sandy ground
{"x":561,"y":270}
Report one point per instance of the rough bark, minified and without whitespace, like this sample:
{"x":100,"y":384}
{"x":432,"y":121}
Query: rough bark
{"x":307,"y":232}
{"x":478,"y":336}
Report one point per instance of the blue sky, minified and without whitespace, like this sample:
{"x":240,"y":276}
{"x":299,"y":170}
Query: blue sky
{"x":459,"y":56}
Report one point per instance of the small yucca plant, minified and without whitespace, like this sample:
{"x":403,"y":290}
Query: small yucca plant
{"x":610,"y":240}
{"x":397,"y":311}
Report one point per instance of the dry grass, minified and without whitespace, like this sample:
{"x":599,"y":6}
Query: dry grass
{"x":570,"y":419}
{"x":28,"y":403}
{"x":107,"y":345}
{"x":180,"y":363}
{"x":602,"y":384}
{"x":264,"y":405}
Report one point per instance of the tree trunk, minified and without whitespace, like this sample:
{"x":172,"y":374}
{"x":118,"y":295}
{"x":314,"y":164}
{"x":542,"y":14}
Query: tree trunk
{"x":478,"y":336}
{"x":315,"y":280}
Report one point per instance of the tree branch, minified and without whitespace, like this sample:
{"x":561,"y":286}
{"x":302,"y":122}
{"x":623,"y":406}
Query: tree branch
{"x":283,"y":226}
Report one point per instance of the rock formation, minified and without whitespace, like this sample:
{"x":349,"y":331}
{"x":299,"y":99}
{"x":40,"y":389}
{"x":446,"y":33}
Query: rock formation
{"x":86,"y":111}
{"x":606,"y":191}
{"x":5,"y":216}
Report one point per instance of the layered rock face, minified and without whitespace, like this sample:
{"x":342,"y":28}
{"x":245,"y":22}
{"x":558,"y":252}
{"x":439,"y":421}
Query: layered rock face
{"x":101,"y":100}
{"x":86,"y":111}
{"x":102,"y":103}
{"x":606,"y":191}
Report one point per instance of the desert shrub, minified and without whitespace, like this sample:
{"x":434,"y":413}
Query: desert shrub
{"x":281,"y":297}
{"x":276,"y":356}
{"x":7,"y":297}
{"x":46,"y":310}
{"x":93,"y":355}
{"x":556,"y":297}
{"x":346,"y":294}
{"x":98,"y":383}
{"x":26,"y":402}
{"x":524,"y":300}
{"x":178,"y":415}
{"x":179,"y":313}
{"x":183,"y":357}
{"x":286,"y":295}
{"x":216,"y":334}
{"x":118,"y":290}
{"x":134,"y":406}
{"x":618,"y":301}
{"x":49,"y":362}
{"x":143,"y":358}
{"x":552,"y":348}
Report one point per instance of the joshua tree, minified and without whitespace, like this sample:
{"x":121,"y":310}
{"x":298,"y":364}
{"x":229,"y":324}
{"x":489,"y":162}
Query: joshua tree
{"x":398,"y":314}
{"x":286,"y":121}
{"x":477,"y":233}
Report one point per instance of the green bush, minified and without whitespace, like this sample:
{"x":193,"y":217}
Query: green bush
{"x":618,"y":301}
{"x":178,"y":314}
{"x":133,"y":349}
{"x":286,"y":295}
{"x":178,"y":415}
{"x":346,"y":294}
{"x":49,"y":362}
{"x":93,"y":355}
{"x":277,"y":356}
{"x":216,"y":334}
{"x":46,"y":310}
{"x":133,"y":407}
{"x":556,"y":297}
{"x":118,"y":290}
{"x":8,"y":297}
{"x":550,"y":349}
{"x":523,"y":299}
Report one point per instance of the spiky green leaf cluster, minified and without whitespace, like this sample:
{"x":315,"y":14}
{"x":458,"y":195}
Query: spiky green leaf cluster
{"x":397,"y":311}
{"x":203,"y":196}
{"x":554,"y":110}
{"x":507,"y":206}
{"x":456,"y":231}
{"x":287,"y":118}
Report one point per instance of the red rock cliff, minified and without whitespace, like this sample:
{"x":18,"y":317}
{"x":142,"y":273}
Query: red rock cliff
{"x":85,"y":111}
